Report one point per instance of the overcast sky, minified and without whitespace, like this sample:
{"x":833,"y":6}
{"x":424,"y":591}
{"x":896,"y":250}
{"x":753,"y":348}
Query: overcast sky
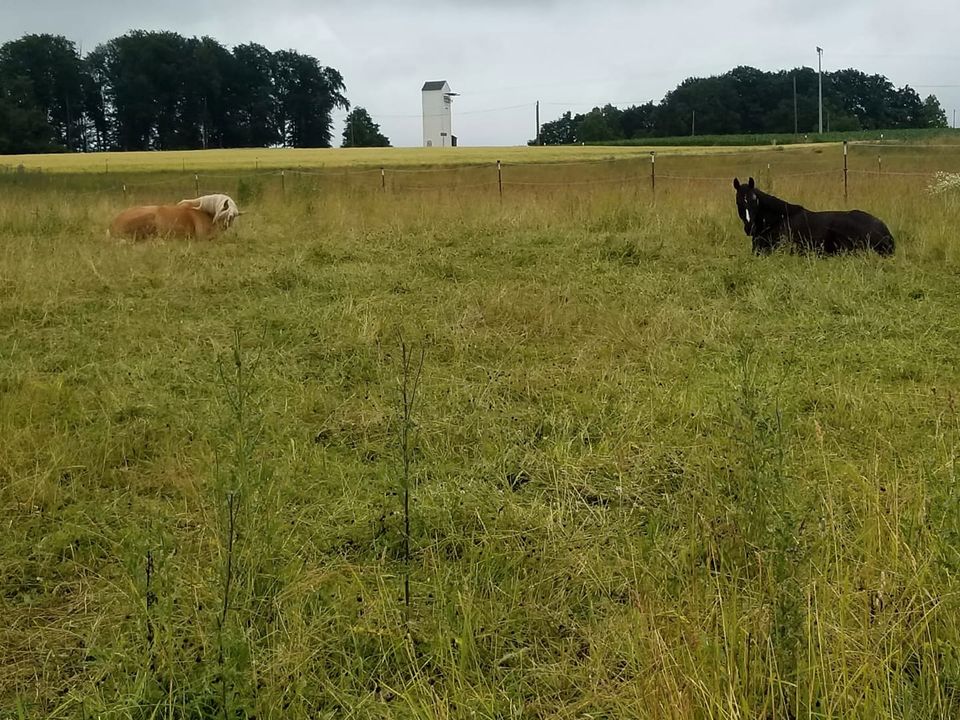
{"x":503,"y":55}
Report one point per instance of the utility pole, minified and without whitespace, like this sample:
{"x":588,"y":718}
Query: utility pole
{"x":203,"y":127}
{"x":69,"y":123}
{"x":820,"y":83}
{"x":796,"y":125}
{"x":538,"y":123}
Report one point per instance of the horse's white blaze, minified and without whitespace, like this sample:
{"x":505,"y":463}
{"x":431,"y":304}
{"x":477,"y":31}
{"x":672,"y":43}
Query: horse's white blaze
{"x":746,"y":211}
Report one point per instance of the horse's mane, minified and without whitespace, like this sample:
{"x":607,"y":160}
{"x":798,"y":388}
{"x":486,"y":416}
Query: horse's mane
{"x":772,"y":202}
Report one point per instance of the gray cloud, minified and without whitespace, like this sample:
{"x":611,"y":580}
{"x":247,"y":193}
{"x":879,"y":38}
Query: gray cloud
{"x":504,"y":55}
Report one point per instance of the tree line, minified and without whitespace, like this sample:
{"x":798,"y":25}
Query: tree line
{"x":747,"y":100}
{"x":162,"y":91}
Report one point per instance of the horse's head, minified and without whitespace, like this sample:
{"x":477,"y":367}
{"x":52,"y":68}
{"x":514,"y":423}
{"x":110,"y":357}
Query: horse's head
{"x":748,"y":205}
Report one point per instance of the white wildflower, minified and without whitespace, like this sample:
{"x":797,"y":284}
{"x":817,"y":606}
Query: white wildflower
{"x":944,"y":182}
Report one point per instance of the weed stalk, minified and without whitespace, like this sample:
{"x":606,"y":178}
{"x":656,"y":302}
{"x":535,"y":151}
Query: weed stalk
{"x":410,"y":373}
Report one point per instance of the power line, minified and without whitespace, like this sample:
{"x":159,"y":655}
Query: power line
{"x":458,"y":113}
{"x":599,"y":104}
{"x":952,"y":56}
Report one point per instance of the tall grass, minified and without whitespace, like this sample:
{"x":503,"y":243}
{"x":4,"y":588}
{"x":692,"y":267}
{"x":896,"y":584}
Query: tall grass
{"x":655,"y":476}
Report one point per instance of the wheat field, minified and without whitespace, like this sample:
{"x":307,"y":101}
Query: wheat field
{"x":329,"y":158}
{"x":646,"y":474}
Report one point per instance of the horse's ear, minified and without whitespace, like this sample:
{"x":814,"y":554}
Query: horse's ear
{"x":736,"y":183}
{"x":750,"y":184}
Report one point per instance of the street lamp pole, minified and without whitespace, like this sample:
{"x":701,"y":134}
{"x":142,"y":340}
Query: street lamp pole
{"x":820,"y":84}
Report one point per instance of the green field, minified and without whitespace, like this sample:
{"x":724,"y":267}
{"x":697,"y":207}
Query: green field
{"x":649,"y":474}
{"x":911,"y":137}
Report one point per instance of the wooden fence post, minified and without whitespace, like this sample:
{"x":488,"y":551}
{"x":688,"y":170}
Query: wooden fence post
{"x":500,"y":179}
{"x":383,"y":180}
{"x":653,"y":173}
{"x":196,"y":184}
{"x":845,"y":195}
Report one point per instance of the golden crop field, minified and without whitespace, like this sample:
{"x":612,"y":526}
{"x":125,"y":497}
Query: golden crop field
{"x":279,"y":158}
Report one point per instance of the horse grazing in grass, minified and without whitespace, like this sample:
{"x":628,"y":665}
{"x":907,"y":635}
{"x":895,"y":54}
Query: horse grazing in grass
{"x":772,"y":222}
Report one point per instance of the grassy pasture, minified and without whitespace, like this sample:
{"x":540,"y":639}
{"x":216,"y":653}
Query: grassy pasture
{"x":653,"y":476}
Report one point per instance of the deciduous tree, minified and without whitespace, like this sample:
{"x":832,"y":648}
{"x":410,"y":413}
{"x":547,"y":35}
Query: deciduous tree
{"x":361,"y":131}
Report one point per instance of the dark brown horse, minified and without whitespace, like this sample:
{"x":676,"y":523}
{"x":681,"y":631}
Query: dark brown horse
{"x":772,"y":222}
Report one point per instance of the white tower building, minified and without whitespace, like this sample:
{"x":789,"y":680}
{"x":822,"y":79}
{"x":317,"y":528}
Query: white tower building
{"x":437,"y":127}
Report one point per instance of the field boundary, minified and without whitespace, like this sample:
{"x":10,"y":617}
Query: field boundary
{"x":638,"y":170}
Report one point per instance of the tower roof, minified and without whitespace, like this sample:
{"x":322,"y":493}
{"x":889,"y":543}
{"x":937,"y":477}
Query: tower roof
{"x":434,"y":85}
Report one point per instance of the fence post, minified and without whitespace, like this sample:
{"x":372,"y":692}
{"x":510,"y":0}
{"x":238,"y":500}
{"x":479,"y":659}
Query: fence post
{"x":283,"y":183}
{"x":196,"y":184}
{"x":124,"y":187}
{"x":653,"y":172}
{"x":500,"y":179}
{"x":845,"y":171}
{"x":879,"y":165}
{"x":383,"y":180}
